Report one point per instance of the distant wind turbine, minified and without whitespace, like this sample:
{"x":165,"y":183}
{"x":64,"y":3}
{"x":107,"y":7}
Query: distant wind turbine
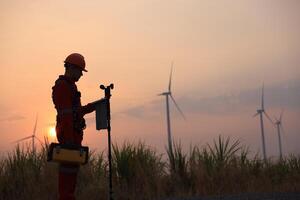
{"x":167,"y":95}
{"x":262,"y":112}
{"x":33,"y":137}
{"x":278,"y":124}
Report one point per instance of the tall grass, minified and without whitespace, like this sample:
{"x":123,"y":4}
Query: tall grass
{"x":25,"y":174}
{"x":139,"y":172}
{"x":138,"y":169}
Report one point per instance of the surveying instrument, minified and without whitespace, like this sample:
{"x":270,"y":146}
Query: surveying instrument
{"x":103,"y":122}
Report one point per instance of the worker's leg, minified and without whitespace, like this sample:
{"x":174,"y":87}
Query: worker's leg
{"x":67,"y":181}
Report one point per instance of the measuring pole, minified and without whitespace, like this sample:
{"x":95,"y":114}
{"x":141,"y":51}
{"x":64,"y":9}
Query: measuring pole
{"x":107,"y":97}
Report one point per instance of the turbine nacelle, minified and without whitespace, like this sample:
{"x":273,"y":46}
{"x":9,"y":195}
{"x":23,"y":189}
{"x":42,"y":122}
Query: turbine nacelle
{"x":260,"y":111}
{"x":278,"y":122}
{"x":165,"y":93}
{"x":280,"y":117}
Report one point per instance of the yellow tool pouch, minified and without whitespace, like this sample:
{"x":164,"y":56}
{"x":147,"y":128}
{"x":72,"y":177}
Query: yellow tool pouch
{"x":71,"y":154}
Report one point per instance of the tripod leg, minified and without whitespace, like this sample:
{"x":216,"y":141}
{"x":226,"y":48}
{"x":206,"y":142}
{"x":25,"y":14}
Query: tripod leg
{"x":110,"y":166}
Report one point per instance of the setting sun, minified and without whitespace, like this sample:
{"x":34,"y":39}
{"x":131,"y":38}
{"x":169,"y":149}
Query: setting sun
{"x":52,"y":132}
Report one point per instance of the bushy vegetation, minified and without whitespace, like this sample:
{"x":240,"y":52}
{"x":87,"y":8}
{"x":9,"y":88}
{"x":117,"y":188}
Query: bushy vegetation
{"x":139,"y":172}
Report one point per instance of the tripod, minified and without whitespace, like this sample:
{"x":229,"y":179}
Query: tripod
{"x":107,"y":94}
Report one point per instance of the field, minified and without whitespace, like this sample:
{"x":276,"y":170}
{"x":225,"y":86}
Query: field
{"x":139,"y":172}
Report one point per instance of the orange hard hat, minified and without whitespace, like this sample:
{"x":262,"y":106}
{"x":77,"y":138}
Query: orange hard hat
{"x":77,"y":60}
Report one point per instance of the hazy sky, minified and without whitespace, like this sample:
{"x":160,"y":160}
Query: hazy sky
{"x":222,"y":51}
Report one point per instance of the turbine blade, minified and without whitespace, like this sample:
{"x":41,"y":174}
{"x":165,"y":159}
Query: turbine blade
{"x":281,"y":114}
{"x":170,"y":79}
{"x":25,"y":138}
{"x":255,"y":114}
{"x":178,"y":107}
{"x":39,"y":140}
{"x":269,"y":118}
{"x":262,"y":97}
{"x":34,"y":129}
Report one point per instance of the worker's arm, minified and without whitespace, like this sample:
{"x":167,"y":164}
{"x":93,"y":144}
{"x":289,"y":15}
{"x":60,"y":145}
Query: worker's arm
{"x":90,"y":107}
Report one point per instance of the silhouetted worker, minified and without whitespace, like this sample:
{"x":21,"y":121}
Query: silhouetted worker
{"x":69,"y":120}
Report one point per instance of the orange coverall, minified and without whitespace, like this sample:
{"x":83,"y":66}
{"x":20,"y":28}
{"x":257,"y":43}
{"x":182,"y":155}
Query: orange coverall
{"x":69,"y":129}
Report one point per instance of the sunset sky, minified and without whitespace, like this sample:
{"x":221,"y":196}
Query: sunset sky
{"x":222,"y":51}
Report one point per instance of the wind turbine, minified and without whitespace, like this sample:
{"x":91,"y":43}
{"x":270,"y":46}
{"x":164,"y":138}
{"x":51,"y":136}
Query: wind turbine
{"x":167,"y":95}
{"x":33,"y":137}
{"x":262,"y":112}
{"x":278,"y":124}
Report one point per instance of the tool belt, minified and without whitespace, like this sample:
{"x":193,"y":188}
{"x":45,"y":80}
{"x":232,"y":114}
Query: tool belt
{"x":78,"y":122}
{"x":68,"y":154}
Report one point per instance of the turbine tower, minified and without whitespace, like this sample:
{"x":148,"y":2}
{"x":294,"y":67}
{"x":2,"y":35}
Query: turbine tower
{"x":262,"y":112}
{"x":167,"y":95}
{"x":278,"y":124}
{"x":33,"y":137}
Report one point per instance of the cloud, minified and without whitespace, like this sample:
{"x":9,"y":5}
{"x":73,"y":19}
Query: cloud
{"x":284,"y":95}
{"x":145,"y":111}
{"x":137,"y":112}
{"x":150,"y":110}
{"x":8,"y":114}
{"x":12,"y":118}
